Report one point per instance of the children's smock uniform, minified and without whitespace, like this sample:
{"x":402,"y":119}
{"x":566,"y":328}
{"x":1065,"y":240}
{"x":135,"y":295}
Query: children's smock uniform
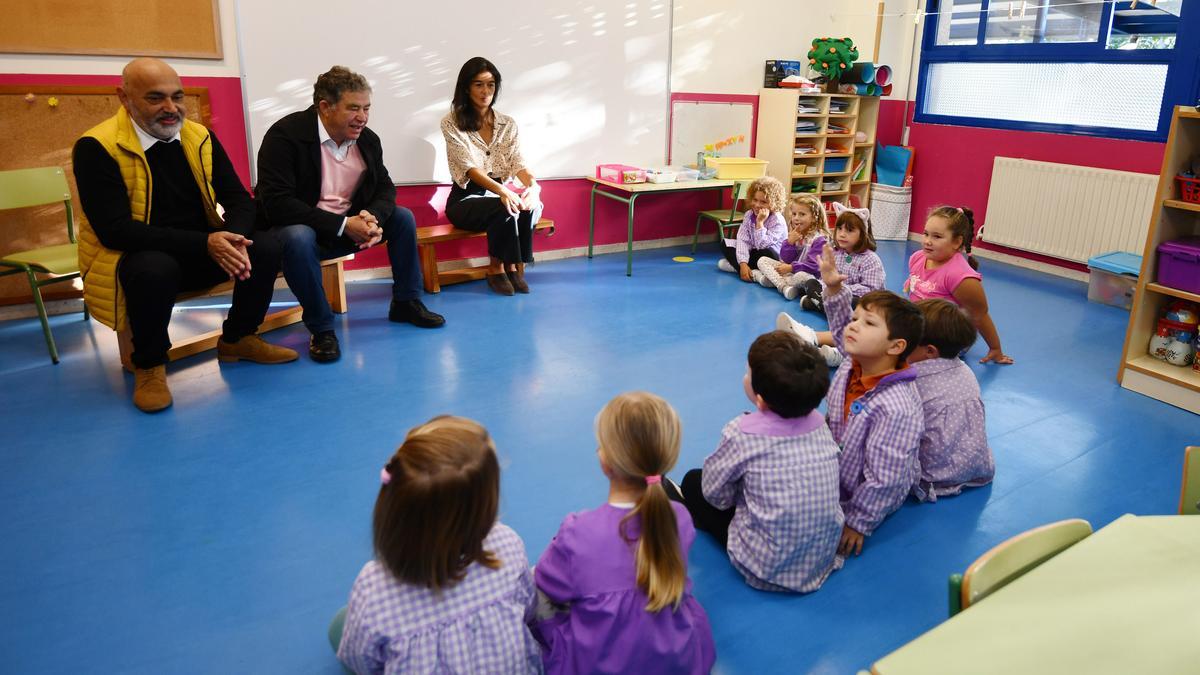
{"x":769,"y":237}
{"x":864,"y":272}
{"x":940,"y":282}
{"x":591,"y":567}
{"x":954,"y":448}
{"x":804,"y":258}
{"x":476,"y":626}
{"x":781,"y":474}
{"x":880,"y":438}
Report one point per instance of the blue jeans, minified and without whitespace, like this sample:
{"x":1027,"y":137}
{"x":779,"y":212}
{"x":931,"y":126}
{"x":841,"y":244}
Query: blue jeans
{"x":302,"y":256}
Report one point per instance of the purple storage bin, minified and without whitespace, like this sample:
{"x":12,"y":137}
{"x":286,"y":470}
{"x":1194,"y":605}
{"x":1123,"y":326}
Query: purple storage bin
{"x":1179,"y":264}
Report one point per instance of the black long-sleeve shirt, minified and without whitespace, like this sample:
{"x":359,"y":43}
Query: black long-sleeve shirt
{"x":178,"y":223}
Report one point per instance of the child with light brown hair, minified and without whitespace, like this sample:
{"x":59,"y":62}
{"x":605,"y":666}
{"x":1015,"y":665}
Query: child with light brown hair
{"x":762,"y":232}
{"x":621,"y":569}
{"x":449,"y":587}
{"x":798,"y":256}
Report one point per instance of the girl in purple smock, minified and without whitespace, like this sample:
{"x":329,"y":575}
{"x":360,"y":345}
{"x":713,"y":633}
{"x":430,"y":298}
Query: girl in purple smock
{"x":615,"y":577}
{"x":449,"y":590}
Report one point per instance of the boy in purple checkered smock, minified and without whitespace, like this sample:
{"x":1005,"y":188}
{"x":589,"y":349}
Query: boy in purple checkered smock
{"x":874,"y":406}
{"x":769,"y":492}
{"x":617,"y":598}
{"x":954,"y":448}
{"x":450,"y":589}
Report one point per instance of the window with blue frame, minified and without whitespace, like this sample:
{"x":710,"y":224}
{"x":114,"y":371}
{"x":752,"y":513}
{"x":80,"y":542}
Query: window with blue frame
{"x":1095,"y":67}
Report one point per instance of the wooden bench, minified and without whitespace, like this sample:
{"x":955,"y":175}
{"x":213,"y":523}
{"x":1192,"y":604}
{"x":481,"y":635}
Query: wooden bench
{"x":333,"y":276}
{"x":433,"y":234}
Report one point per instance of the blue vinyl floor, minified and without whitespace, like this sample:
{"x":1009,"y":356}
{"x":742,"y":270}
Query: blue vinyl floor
{"x":221,"y":535}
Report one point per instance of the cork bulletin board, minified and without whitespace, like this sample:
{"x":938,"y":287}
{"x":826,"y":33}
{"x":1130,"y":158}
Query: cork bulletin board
{"x":188,"y":28}
{"x":34,"y":133}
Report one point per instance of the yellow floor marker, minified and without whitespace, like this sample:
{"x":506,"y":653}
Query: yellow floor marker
{"x":683,"y":258}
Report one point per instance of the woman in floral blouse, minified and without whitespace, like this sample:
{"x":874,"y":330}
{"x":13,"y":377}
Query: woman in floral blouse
{"x":484,"y":152}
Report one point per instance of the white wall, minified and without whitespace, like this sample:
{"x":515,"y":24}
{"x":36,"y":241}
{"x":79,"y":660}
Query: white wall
{"x":718,"y":46}
{"x":111,"y":65}
{"x":900,"y":46}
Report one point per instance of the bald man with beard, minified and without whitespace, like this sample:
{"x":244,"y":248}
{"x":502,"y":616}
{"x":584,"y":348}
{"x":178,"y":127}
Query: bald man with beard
{"x":150,"y":183}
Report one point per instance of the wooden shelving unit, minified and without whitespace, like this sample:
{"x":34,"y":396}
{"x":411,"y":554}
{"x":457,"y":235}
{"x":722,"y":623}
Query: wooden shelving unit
{"x":1172,"y":219}
{"x":814,"y":173}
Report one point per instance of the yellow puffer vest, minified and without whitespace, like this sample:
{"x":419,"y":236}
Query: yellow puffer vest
{"x":101,"y":288}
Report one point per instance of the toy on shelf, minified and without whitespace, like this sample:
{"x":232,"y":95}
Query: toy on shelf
{"x":832,"y":57}
{"x":1174,"y":340}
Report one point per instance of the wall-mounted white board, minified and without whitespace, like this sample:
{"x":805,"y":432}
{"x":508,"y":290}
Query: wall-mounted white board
{"x":586,"y":81}
{"x":695,"y":124}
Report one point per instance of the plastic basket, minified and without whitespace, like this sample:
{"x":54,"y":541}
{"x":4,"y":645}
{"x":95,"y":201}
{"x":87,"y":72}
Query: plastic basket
{"x":890,"y":210}
{"x":1189,"y":189}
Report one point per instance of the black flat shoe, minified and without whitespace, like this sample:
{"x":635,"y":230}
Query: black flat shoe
{"x":323,"y":347}
{"x":416,"y":313}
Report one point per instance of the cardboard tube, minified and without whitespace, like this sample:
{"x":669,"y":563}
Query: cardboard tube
{"x":863,"y":71}
{"x":883,"y":75}
{"x":887,"y":89}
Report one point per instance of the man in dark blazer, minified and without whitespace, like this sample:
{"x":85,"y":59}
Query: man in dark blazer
{"x":323,"y":189}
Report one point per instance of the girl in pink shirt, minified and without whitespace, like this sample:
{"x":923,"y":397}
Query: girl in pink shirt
{"x":939,"y":271}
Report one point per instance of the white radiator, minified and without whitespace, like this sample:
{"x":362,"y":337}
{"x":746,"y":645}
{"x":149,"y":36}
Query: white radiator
{"x":1069,"y":212}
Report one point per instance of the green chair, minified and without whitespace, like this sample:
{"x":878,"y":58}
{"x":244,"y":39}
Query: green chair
{"x":1189,"y":496}
{"x":724,"y":217}
{"x":34,"y":187}
{"x":1012,"y":558}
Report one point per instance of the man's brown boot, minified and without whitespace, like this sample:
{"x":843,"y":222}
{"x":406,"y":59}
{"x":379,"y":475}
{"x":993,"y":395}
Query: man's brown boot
{"x":255,"y":349}
{"x":150,"y":393}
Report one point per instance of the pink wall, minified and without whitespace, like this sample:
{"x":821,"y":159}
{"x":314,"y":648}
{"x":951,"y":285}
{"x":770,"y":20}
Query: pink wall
{"x":953,"y":164}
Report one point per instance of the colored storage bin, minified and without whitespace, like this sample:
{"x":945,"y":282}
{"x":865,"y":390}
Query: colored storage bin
{"x":1179,"y":264}
{"x":1113,"y":278}
{"x":620,"y":173}
{"x":737,"y":168}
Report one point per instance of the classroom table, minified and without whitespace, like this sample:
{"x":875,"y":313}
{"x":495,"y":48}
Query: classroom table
{"x":1124,"y":600}
{"x":631,"y":192}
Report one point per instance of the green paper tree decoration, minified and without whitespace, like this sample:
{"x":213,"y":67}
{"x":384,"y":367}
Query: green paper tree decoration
{"x":832,"y":56}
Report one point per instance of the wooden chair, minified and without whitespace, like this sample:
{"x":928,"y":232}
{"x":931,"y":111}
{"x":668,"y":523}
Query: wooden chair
{"x":1012,"y":558}
{"x":724,"y":218}
{"x":1189,"y":494}
{"x":35,"y":187}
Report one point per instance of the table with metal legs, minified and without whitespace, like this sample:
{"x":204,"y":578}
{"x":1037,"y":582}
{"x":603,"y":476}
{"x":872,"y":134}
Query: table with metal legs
{"x":628,"y":194}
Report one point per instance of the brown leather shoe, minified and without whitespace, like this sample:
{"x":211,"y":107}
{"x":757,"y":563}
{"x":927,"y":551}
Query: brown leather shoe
{"x":150,"y":393}
{"x":500,"y":283}
{"x":254,"y":349}
{"x":517,"y":278}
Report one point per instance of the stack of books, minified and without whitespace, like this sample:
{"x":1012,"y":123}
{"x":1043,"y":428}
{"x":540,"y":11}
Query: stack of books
{"x":807,"y":127}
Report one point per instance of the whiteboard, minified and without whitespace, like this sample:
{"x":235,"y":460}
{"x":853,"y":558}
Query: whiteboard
{"x":695,"y":124}
{"x":587,"y":82}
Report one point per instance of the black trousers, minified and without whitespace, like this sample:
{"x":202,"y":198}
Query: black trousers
{"x":705,"y":516}
{"x":510,"y":240}
{"x":152,"y":279}
{"x":755,"y":253}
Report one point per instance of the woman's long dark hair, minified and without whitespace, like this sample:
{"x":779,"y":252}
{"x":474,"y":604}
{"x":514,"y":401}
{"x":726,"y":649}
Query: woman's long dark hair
{"x":466,"y":117}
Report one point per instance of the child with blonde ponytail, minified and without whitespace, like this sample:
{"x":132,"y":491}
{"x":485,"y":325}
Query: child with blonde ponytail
{"x":620,"y":570}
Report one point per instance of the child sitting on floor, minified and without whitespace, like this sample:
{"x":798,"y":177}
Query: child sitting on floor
{"x":954,"y":448}
{"x":798,"y":256}
{"x":874,"y":406}
{"x":450,"y":587}
{"x":762,"y":232}
{"x":621,"y":570}
{"x":944,"y":268}
{"x":856,"y":259}
{"x":769,"y":491}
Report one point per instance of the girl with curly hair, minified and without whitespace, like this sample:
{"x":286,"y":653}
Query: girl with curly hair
{"x":762,"y":232}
